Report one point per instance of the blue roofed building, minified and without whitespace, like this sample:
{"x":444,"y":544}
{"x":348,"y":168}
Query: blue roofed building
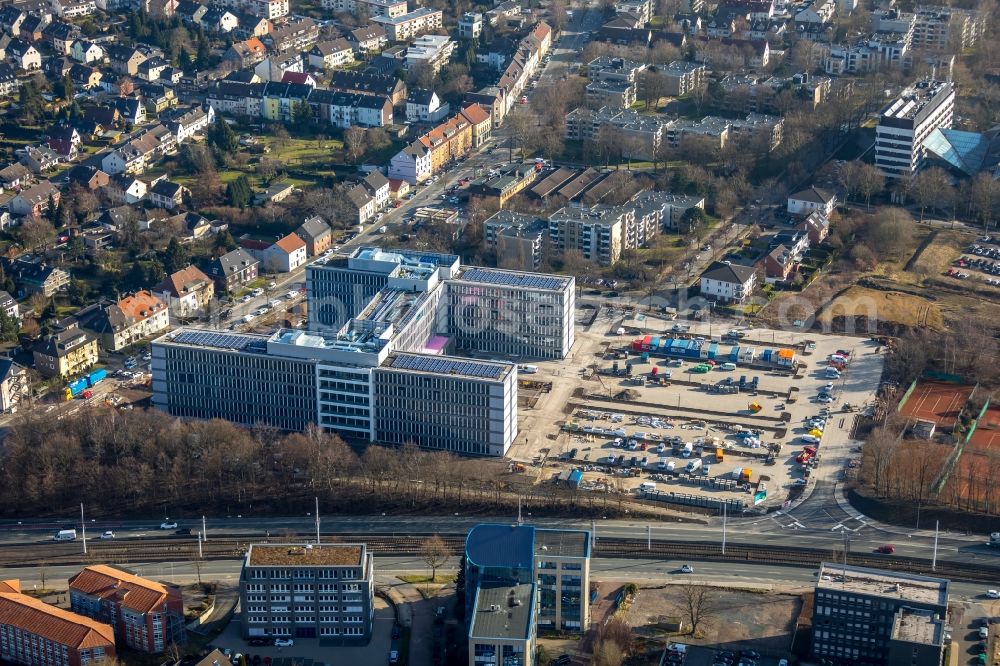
{"x":520,"y":579}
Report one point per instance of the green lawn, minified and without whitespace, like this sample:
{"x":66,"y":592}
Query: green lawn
{"x":302,"y":152}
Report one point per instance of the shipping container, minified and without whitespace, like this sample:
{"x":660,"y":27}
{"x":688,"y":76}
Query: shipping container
{"x":637,"y":344}
{"x":646,"y":341}
{"x":77,"y":387}
{"x":654,"y":343}
{"x":734,"y":354}
{"x":96,"y":376}
{"x":575,"y":478}
{"x":766,"y":356}
{"x":645,"y":357}
{"x":713,"y":349}
{"x":785,"y":357}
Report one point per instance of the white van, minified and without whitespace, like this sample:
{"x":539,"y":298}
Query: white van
{"x":65,"y":535}
{"x":728,"y":366}
{"x":527,"y":369}
{"x":688,"y":450}
{"x":647,"y":486}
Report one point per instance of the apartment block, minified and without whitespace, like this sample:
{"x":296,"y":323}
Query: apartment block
{"x":146,"y":615}
{"x":33,"y":632}
{"x":376,"y":363}
{"x":682,"y":77}
{"x":520,"y":579}
{"x":517,"y":239}
{"x":390,"y":8}
{"x":907,"y":121}
{"x":322,"y":591}
{"x":405,"y":27}
{"x":616,"y":94}
{"x":940,"y":28}
{"x":878,"y":617}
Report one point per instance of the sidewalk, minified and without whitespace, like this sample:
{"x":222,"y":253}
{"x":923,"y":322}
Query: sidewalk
{"x":417,"y":613}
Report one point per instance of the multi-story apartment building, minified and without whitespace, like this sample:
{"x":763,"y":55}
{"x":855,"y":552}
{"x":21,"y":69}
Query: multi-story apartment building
{"x":65,"y":353}
{"x":470,"y":26}
{"x":682,"y":77}
{"x":390,"y":8}
{"x":432,"y":51}
{"x":640,"y":135}
{"x":615,"y":94}
{"x":727,"y":282}
{"x":146,"y":615}
{"x":33,"y":632}
{"x":408,"y":26}
{"x":372,"y":366}
{"x":941,"y":28}
{"x":320,"y":591}
{"x":125,"y":321}
{"x":907,"y":121}
{"x":531,"y":579}
{"x":878,"y":617}
{"x":595,"y":234}
{"x":517,"y":239}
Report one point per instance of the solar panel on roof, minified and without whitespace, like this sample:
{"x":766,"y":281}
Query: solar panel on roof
{"x":446,"y":366}
{"x":531,"y":280}
{"x":217,"y":340}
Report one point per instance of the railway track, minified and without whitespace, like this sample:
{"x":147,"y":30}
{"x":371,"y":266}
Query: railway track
{"x":180,"y":549}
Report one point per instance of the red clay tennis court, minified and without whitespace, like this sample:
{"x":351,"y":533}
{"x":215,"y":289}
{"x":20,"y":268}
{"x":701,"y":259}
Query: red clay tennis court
{"x":986,"y":438}
{"x":939,"y":402}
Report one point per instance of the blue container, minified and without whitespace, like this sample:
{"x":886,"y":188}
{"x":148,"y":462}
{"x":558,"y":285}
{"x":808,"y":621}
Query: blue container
{"x":96,"y":376}
{"x":734,"y":354}
{"x":575,"y":478}
{"x":766,"y":356}
{"x":77,"y":387}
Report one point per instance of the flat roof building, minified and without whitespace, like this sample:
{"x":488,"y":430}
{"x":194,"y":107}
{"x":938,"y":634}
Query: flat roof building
{"x":375,"y":364}
{"x":877,"y":617}
{"x":320,"y":591}
{"x":907,"y":122}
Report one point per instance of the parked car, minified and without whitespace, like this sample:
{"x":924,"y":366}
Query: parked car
{"x":992,"y":594}
{"x":886,"y":549}
{"x":108,"y":534}
{"x":283,"y":642}
{"x":686,"y":568}
{"x":393,"y":656}
{"x":168,"y":525}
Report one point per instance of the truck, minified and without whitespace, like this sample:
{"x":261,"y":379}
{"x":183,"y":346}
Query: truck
{"x":807,"y":454}
{"x":64,"y":535}
{"x":687,"y":450}
{"x":96,"y":376}
{"x":693,"y":466}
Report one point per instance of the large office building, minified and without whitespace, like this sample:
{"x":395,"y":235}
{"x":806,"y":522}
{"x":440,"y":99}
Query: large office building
{"x":907,"y":122}
{"x":878,"y":618}
{"x":519,"y":579}
{"x":320,"y":591}
{"x":377,"y":363}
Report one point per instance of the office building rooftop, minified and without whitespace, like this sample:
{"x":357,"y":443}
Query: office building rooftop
{"x":879,"y":583}
{"x":562,"y":543}
{"x":503,"y":611}
{"x":917,"y":626}
{"x":514,"y":278}
{"x":915,"y":98}
{"x":291,"y":554}
{"x":449,"y":365}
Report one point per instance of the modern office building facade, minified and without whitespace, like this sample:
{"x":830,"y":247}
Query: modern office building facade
{"x":320,"y":591}
{"x":878,"y":618}
{"x":905,"y":124}
{"x":554,"y":563}
{"x":375,"y":364}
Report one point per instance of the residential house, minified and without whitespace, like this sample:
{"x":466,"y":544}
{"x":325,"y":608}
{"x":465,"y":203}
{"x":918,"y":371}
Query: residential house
{"x":187,"y":124}
{"x":492,"y":99}
{"x":276,"y":192}
{"x":123,"y":323}
{"x":124,"y":59}
{"x":448,"y":141}
{"x":295,"y":35}
{"x":482,"y":124}
{"x":15,"y":176}
{"x":233,"y":270}
{"x":132,"y":110}
{"x":68,"y":9}
{"x":284,"y":255}
{"x":35,"y":200}
{"x":9,"y":83}
{"x":85,"y":77}
{"x":221,"y":20}
{"x":191,"y":12}
{"x":32,"y":27}
{"x":252,"y":26}
{"x":371,"y":38}
{"x":8,"y":306}
{"x":369,"y":84}
{"x":168,"y":195}
{"x":38,"y":158}
{"x":470,"y":25}
{"x":727,"y":282}
{"x":816,"y":226}
{"x":274,"y":68}
{"x":124,"y":188}
{"x":424,"y":106}
{"x":779,"y":263}
{"x":36,"y":277}
{"x":60,"y":36}
{"x":151,"y":68}
{"x":157,"y":98}
{"x":14,"y":385}
{"x":363,"y":202}
{"x":246,"y":53}
{"x":812,"y":199}
{"x":66,"y":353}
{"x":317,"y":235}
{"x":432,"y":51}
{"x":186,"y":292}
{"x":498,"y":190}
{"x":146,"y":616}
{"x":299,"y":78}
{"x":90,"y":178}
{"x":24,"y":56}
{"x":343,"y":110}
{"x":332,"y":53}
{"x":398,"y":189}
{"x":412,"y":164}
{"x":11,"y":18}
{"x":65,"y":140}
{"x":378,"y":186}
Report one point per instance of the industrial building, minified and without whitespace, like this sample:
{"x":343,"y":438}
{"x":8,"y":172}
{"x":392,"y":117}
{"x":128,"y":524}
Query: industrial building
{"x":377,"y":363}
{"x":877,"y":617}
{"x":320,"y":591}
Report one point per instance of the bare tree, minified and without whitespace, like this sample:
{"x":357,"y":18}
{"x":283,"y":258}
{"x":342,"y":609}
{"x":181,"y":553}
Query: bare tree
{"x":982,"y":193}
{"x":870,"y":180}
{"x":930,"y":188}
{"x":354,"y":141}
{"x":435,"y":554}
{"x":698,"y":604}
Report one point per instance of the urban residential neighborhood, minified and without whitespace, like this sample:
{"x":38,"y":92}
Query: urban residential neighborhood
{"x":499,"y":332}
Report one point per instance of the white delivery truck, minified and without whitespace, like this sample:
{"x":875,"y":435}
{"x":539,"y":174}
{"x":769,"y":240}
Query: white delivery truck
{"x":693,"y":466}
{"x":527,"y":369}
{"x":688,"y":450}
{"x":65,"y":535}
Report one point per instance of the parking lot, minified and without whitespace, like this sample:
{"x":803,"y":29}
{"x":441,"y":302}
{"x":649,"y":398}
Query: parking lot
{"x":623,"y":431}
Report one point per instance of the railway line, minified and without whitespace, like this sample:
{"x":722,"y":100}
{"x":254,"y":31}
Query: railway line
{"x":166,"y":549}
